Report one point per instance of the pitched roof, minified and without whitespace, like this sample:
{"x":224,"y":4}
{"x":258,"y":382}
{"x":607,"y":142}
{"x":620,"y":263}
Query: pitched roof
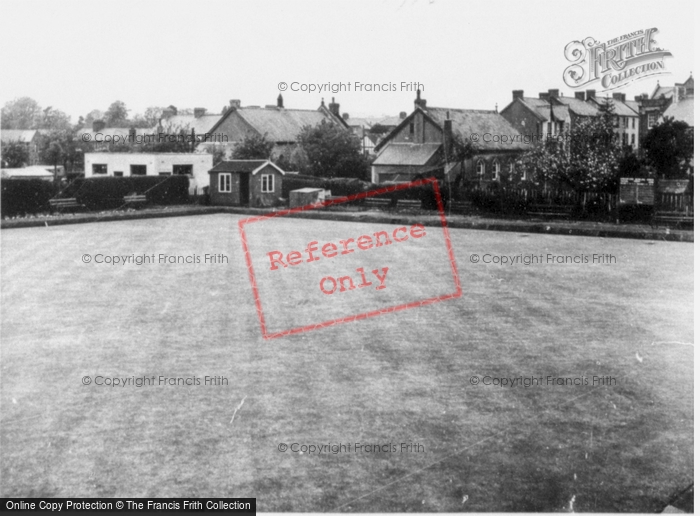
{"x":17,"y":135}
{"x":665,"y":91}
{"x":407,"y":154}
{"x":682,"y":110}
{"x":467,"y":122}
{"x":633,"y":105}
{"x":36,"y":171}
{"x":579,"y":107}
{"x":201,"y":125}
{"x":244,"y":166}
{"x":619,"y":108}
{"x":282,"y":125}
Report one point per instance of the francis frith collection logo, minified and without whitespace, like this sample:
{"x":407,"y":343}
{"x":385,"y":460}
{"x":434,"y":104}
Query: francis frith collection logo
{"x":616,"y":62}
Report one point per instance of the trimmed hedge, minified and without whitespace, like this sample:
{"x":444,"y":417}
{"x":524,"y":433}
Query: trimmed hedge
{"x":107,"y":193}
{"x":25,"y":196}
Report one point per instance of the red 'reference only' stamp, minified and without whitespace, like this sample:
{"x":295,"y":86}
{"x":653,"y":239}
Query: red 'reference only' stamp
{"x":308,"y":274}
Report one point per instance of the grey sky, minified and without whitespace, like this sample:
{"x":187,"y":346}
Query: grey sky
{"x":83,"y":55}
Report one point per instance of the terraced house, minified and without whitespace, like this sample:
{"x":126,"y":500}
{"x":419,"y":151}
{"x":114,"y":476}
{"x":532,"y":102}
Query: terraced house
{"x":417,"y":146}
{"x":552,"y":114}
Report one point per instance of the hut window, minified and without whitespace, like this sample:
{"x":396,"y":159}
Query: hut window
{"x":268,"y":183}
{"x":480,"y":168}
{"x":225,"y":183}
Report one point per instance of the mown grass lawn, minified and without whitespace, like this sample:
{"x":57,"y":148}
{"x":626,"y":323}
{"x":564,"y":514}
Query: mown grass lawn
{"x":396,"y":378}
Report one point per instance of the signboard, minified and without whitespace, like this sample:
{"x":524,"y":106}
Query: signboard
{"x":636,"y":191}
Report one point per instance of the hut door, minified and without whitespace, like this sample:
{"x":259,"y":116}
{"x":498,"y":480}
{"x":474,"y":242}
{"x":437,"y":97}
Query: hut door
{"x":245,"y":192}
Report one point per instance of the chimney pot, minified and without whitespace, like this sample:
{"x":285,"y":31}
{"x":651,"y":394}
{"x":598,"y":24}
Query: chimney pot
{"x":345,"y":116}
{"x":402,"y":115}
{"x":280,"y":101}
{"x":234,"y":103}
{"x":419,"y":102}
{"x":518,"y":94}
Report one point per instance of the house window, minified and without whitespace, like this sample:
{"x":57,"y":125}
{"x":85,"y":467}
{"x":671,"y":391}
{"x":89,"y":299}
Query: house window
{"x":225,"y":183}
{"x":496,"y":170}
{"x":118,"y":173}
{"x":99,"y":169}
{"x":634,"y":121}
{"x":632,"y":138}
{"x":625,"y":138}
{"x":182,"y":170}
{"x":411,"y":128}
{"x":138,"y":170}
{"x":480,"y":168}
{"x":616,"y":121}
{"x":268,"y":183}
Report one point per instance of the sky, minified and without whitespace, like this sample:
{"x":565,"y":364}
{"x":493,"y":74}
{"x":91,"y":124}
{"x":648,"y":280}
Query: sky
{"x":82,"y":55}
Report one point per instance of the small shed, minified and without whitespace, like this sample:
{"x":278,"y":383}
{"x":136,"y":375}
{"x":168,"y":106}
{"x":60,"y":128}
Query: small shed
{"x":245,"y":182}
{"x":305,"y":196}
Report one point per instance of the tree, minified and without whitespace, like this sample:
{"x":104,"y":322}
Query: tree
{"x":117,"y":115}
{"x":253,"y":147}
{"x":332,"y":151}
{"x":21,"y":113}
{"x":53,"y":120}
{"x":586,"y":159}
{"x":14,"y":154}
{"x":669,"y":148}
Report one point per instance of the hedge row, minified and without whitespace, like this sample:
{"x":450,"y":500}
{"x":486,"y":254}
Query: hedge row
{"x":25,"y":196}
{"x":107,"y":193}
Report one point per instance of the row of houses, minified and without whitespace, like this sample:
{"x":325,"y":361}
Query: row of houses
{"x":408,"y":146}
{"x":416,"y":146}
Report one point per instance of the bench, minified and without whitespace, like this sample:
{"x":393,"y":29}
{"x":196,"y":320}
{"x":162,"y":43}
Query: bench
{"x":550,"y":210}
{"x":406,"y":204}
{"x":677,"y":217}
{"x":459,"y":206}
{"x":134,"y":200}
{"x":64,"y":204}
{"x":377,"y":202}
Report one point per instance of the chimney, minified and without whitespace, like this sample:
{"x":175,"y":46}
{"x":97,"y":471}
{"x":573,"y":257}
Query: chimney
{"x":345,"y":116}
{"x":334,"y":107}
{"x":402,"y":115}
{"x":554,"y":93}
{"x":419,"y":102}
{"x":590,"y":94}
{"x":447,"y":139}
{"x":518,"y":94}
{"x":544,"y":95}
{"x":619,"y":96}
{"x":199,"y":112}
{"x":678,"y":93}
{"x":280,"y":101}
{"x":98,"y":125}
{"x":580,"y":95}
{"x":234,"y":103}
